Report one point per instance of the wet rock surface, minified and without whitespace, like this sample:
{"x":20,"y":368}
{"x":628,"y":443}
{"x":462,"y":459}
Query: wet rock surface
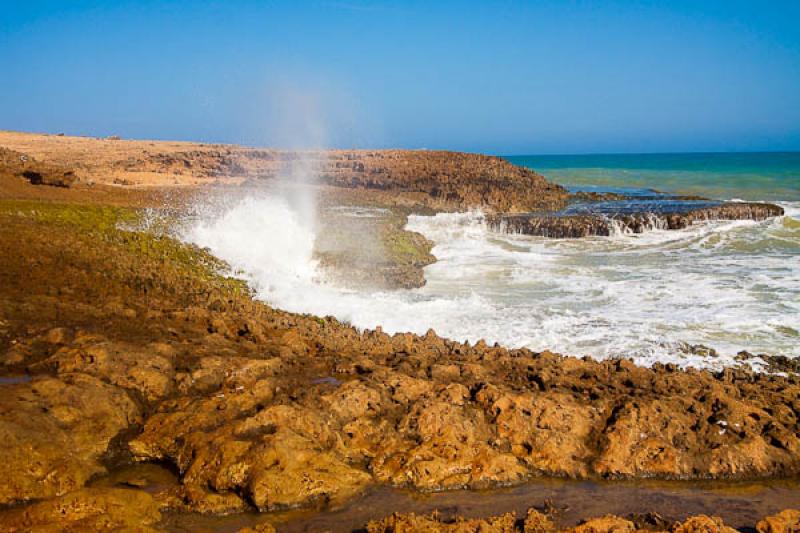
{"x":369,"y":247}
{"x":566,"y":225}
{"x":86,"y":510}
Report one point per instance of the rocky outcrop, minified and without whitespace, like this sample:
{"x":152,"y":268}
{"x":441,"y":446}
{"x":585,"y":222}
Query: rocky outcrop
{"x":412,"y":178}
{"x":55,"y":432}
{"x":370,"y":248}
{"x":573,"y":226}
{"x":787,"y":521}
{"x":444,"y":180}
{"x":13,"y":163}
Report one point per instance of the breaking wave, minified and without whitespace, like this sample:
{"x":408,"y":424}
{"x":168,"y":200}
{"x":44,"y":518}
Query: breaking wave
{"x":729,"y":286}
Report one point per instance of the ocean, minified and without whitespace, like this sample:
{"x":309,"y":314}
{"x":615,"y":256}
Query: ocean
{"x":694,"y":297}
{"x":766,"y":176}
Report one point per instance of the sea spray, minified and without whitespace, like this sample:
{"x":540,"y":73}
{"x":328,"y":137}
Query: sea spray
{"x":263,"y":237}
{"x":730,"y":286}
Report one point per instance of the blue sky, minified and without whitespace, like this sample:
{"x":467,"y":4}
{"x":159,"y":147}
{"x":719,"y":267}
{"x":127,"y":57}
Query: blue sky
{"x":502,"y":77}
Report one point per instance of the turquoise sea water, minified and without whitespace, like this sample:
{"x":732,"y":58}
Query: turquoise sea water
{"x":773,"y":176}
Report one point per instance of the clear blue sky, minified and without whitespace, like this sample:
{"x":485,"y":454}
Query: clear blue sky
{"x":502,"y":77}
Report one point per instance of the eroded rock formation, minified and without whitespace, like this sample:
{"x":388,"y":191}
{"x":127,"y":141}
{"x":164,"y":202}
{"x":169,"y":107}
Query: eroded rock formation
{"x":18,"y":164}
{"x":574,"y":226}
{"x":421,"y":178}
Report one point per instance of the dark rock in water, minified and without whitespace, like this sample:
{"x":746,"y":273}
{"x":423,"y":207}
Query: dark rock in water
{"x":608,"y":218}
{"x":775,"y":363}
{"x":551,"y":225}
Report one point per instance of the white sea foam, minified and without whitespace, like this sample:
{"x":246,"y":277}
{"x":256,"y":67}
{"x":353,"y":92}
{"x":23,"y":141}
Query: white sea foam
{"x":730,"y":286}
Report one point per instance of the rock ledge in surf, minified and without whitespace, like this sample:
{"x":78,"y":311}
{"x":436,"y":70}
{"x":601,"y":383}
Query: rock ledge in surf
{"x":558,"y":225}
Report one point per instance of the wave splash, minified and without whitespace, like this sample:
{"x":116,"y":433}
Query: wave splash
{"x":264,"y":239}
{"x":267,"y":243}
{"x":729,"y":286}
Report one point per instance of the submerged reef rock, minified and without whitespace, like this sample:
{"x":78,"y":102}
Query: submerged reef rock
{"x":585,"y":225}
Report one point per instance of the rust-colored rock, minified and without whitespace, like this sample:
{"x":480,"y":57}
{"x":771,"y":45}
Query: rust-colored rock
{"x":787,"y":521}
{"x":17,"y":164}
{"x":411,"y":523}
{"x":606,"y":524}
{"x":86,"y":510}
{"x":536,"y":522}
{"x":55,"y":431}
{"x":702,"y":524}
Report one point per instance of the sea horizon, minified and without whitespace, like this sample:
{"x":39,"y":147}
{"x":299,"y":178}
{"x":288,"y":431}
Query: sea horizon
{"x":759,"y":176}
{"x":665,"y":152}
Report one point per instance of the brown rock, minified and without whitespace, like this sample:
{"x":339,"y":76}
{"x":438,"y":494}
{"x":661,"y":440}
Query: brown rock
{"x":703,"y":524}
{"x":606,"y":524}
{"x":445,"y":373}
{"x":576,"y":226}
{"x":260,"y":528}
{"x":409,"y":523}
{"x":55,"y":431}
{"x":18,"y":164}
{"x":536,"y":522}
{"x":787,"y":521}
{"x":59,"y":336}
{"x":86,"y":510}
{"x":127,"y":366}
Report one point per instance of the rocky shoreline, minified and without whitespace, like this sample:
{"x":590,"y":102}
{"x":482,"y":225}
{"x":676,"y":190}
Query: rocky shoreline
{"x":122,"y":347}
{"x":577,"y":226}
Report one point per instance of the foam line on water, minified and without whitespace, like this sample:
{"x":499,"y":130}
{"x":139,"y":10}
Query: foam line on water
{"x":727,"y":285}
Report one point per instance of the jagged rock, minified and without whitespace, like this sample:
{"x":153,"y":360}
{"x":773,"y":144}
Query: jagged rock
{"x":575,"y":226}
{"x":787,"y":521}
{"x":702,"y":524}
{"x":126,"y":366}
{"x":536,"y":522}
{"x":260,"y":528}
